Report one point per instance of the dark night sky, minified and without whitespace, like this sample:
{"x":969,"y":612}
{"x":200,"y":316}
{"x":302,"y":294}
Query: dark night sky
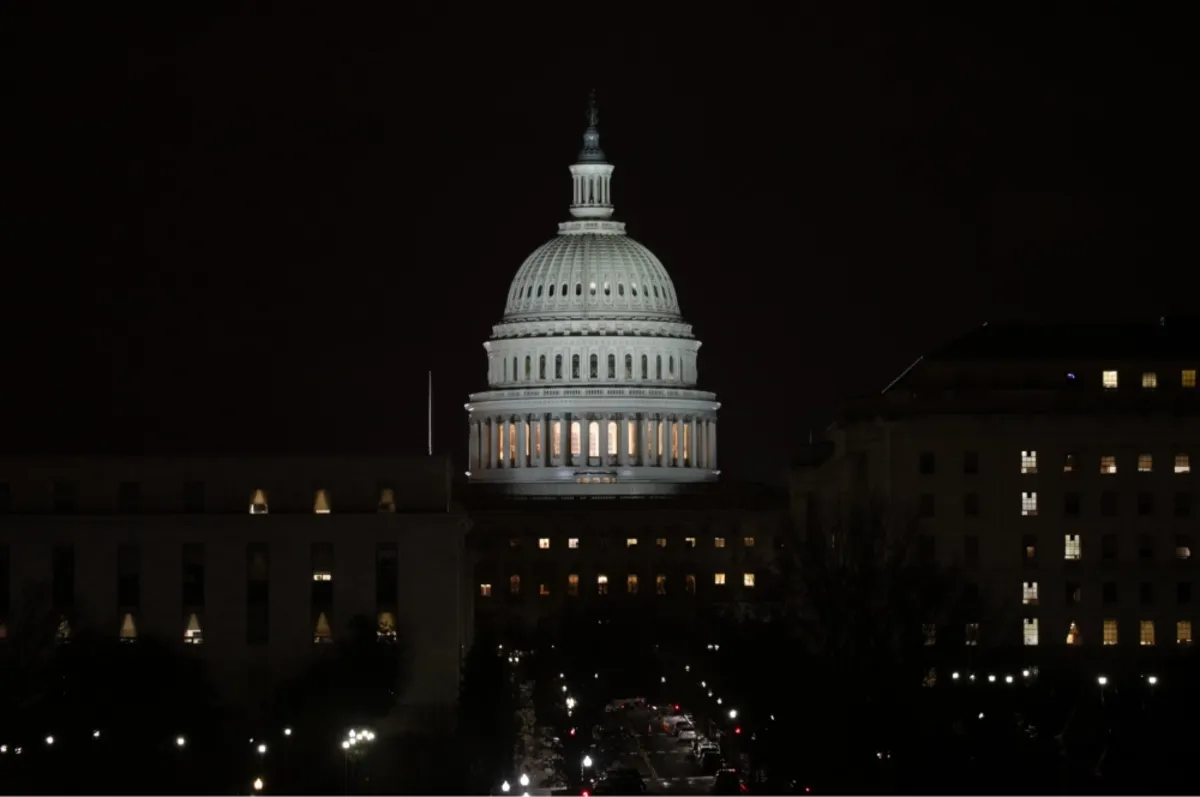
{"x":258,"y":231}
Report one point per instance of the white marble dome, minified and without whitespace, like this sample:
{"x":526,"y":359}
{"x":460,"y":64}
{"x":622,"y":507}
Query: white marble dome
{"x":592,"y":268}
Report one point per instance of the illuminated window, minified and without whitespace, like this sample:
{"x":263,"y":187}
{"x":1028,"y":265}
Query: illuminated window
{"x":1030,"y":631}
{"x":128,"y":628}
{"x":719,"y":579}
{"x":1029,"y":504}
{"x":1108,"y":465}
{"x":574,"y":366}
{"x":1072,"y":547}
{"x":1145,"y":463}
{"x":631,"y":584}
{"x":594,"y":439}
{"x":544,"y":543}
{"x":631,"y":439}
{"x":1183,"y":463}
{"x":630,"y":542}
{"x":971,"y":634}
{"x":63,"y":632}
{"x":1109,"y":380}
{"x":576,"y":443}
{"x":385,"y":627}
{"x":1146,"y":633}
{"x":1028,"y":462}
{"x":748,"y":542}
{"x":1149,"y":379}
{"x":485,"y":590}
{"x":1029,"y":593}
{"x":544,"y":590}
{"x":258,"y":503}
{"x":556,"y":439}
{"x":573,"y":542}
{"x":689,"y":584}
{"x":1073,"y":635}
{"x":718,"y":542}
{"x":661,"y":542}
{"x":322,"y":633}
{"x":675,"y":426}
{"x":602,"y":584}
{"x":192,"y":635}
{"x":747,"y":579}
{"x":612,"y":438}
{"x":387,"y":499}
{"x":689,"y":542}
{"x":1183,"y":628}
{"x":573,"y":585}
{"x":514,"y":585}
{"x":929,"y":632}
{"x":1183,"y":547}
{"x":1188,"y":377}
{"x":1110,"y":632}
{"x":592,"y":288}
{"x":1069,"y":464}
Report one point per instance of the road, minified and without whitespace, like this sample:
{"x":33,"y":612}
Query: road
{"x":663,"y":760}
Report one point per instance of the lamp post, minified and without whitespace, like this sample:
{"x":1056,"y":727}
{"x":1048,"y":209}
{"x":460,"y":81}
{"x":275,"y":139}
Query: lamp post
{"x":1103,"y":681}
{"x":584,"y":766}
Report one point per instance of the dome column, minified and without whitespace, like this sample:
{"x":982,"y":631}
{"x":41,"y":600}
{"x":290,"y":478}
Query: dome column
{"x":712,"y":448}
{"x":544,"y":434}
{"x":663,"y":440}
{"x":693,"y":444}
{"x":473,"y":446}
{"x":522,"y":428}
{"x":679,"y":424}
{"x":647,"y":447}
{"x":623,"y":442}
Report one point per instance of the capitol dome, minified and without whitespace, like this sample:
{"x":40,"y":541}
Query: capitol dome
{"x":592,"y":369}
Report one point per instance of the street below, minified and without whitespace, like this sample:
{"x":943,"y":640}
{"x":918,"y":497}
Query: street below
{"x":634,"y":739}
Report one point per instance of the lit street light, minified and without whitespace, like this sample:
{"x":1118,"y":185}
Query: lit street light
{"x":258,"y":784}
{"x":733,"y":713}
{"x":49,"y":740}
{"x":524,"y":781}
{"x":180,"y":741}
{"x":1152,"y":680}
{"x":262,"y":749}
{"x":287,"y":731}
{"x":505,"y":787}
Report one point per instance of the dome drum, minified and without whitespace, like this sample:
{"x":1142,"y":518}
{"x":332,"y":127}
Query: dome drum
{"x":583,"y":361}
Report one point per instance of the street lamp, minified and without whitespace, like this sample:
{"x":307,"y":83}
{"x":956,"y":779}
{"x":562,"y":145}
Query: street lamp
{"x":49,"y":740}
{"x":180,"y":741}
{"x":262,"y":749}
{"x":505,"y":787}
{"x":258,"y":784}
{"x":287,"y":731}
{"x":1103,"y":681}
{"x":524,"y":781}
{"x":733,"y":713}
{"x":1152,"y":680}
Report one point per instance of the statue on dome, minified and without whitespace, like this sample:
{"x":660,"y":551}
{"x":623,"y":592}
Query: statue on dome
{"x":593,"y":114}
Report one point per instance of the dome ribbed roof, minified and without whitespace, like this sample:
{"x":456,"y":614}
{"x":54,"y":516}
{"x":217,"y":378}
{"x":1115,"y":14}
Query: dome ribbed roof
{"x":592,"y":275}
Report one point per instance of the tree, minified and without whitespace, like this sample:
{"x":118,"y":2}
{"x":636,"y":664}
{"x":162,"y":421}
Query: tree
{"x":486,"y":709}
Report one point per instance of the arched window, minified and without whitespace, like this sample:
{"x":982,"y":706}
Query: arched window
{"x":542,"y":367}
{"x":612,"y":366}
{"x":574,"y":366}
{"x":505,"y":369}
{"x":628,"y":366}
{"x":612,"y":438}
{"x":633,"y":288}
{"x":620,"y":289}
{"x":552,"y":290}
{"x":658,"y":367}
{"x":671,"y":367}
{"x":321,"y":502}
{"x":558,"y":366}
{"x":387,"y":499}
{"x":594,"y":439}
{"x":645,"y":367}
{"x":258,"y":503}
{"x":575,"y":441}
{"x":593,"y":367}
{"x":607,"y":290}
{"x":515,"y":371}
{"x":579,"y":289}
{"x":528,"y":368}
{"x":563,"y":292}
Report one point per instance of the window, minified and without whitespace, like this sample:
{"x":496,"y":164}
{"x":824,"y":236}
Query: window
{"x":747,"y":542}
{"x":387,"y":499}
{"x":576,"y":443}
{"x":1108,"y":548}
{"x":1145,"y":504}
{"x":193,"y":575}
{"x":612,"y":438}
{"x":1108,"y":465}
{"x":1146,"y":633}
{"x":1073,"y":635}
{"x":1028,"y":462}
{"x":1145,"y":547}
{"x":631,"y":584}
{"x":1071,"y":504}
{"x":1069,"y":464}
{"x":747,"y":579}
{"x":322,"y":632}
{"x":970,"y":462}
{"x":1109,"y":380}
{"x":1108,"y":503}
{"x":192,"y":633}
{"x":1029,"y":593}
{"x":1183,"y":628}
{"x":1029,"y":504}
{"x":658,"y":367}
{"x":544,"y":543}
{"x":1183,"y":593}
{"x":1183,"y":547}
{"x":1145,"y":463}
{"x":1073,"y":593}
{"x":514,"y":585}
{"x":645,"y":367}
{"x":929,"y":632}
{"x":926,"y":463}
{"x":528,"y":368}
{"x":971,"y":549}
{"x":514,"y":542}
{"x":689,"y":542}
{"x":925,"y":505}
{"x":573,"y":585}
{"x":660,"y":585}
{"x":1149,"y":379}
{"x":1182,"y":463}
{"x":574,"y":366}
{"x":971,"y":634}
{"x":258,"y":502}
{"x":385,"y":627}
{"x":542,"y":366}
{"x":631,"y":442}
{"x":594,"y":367}
{"x":322,"y":572}
{"x":602,"y":584}
{"x":612,"y":366}
{"x":485,"y":590}
{"x":1188,"y":377}
{"x":1029,"y":548}
{"x":556,"y":439}
{"x":544,"y":590}
{"x":719,"y":579}
{"x":128,"y":628}
{"x":129,"y":570}
{"x":1146,"y":593}
{"x":661,"y":542}
{"x":1030,"y":631}
{"x":321,"y":502}
{"x":1072,"y":547}
{"x":558,"y":366}
{"x":631,"y":542}
{"x":689,"y":584}
{"x":971,"y":504}
{"x":1110,"y":632}
{"x":718,"y":542}
{"x":594,"y":439}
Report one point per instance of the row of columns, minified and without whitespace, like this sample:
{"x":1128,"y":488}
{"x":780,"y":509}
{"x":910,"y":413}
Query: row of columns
{"x":544,"y":440}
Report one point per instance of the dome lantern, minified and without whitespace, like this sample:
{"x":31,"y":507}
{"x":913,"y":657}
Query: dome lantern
{"x":591,"y":174}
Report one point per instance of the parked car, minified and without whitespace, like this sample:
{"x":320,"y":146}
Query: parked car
{"x":686,"y":732}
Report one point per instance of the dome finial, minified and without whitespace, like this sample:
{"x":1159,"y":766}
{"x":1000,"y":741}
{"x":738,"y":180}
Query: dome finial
{"x":591,"y":152}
